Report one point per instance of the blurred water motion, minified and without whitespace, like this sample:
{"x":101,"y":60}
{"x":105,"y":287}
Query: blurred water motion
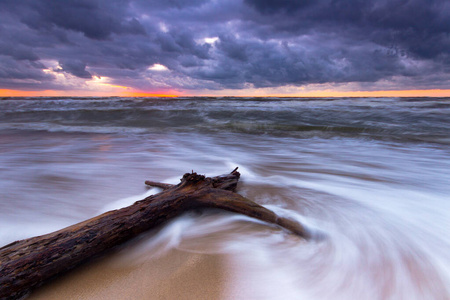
{"x":371,"y":175}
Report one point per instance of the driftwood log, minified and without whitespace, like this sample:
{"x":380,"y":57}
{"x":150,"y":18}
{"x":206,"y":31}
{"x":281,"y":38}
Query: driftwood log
{"x":27,"y":263}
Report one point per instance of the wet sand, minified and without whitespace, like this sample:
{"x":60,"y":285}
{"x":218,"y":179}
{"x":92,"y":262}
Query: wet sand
{"x":176,"y":275}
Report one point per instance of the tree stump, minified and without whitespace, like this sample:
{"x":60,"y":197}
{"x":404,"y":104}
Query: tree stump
{"x":27,"y":263}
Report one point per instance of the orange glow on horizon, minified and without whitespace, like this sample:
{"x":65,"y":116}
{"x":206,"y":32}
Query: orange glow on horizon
{"x":17,"y":93}
{"x":53,"y":93}
{"x":318,"y":93}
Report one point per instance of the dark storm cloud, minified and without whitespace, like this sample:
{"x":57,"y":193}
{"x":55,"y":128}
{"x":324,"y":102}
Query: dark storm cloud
{"x":95,"y":19}
{"x":182,"y":42}
{"x":19,"y":52}
{"x":277,"y":6}
{"x":23,"y":74}
{"x":421,"y":27}
{"x":76,"y":68}
{"x":260,"y":43}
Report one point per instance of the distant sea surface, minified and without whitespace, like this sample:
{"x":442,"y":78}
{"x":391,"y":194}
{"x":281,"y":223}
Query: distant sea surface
{"x":372,"y":175}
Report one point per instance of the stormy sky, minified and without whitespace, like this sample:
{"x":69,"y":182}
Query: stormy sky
{"x":196,"y":46}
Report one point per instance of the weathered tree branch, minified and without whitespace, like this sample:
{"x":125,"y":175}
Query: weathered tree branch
{"x":28,"y":263}
{"x":164,"y":186}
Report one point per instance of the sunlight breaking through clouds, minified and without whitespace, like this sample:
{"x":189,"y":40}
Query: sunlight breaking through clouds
{"x":211,"y":40}
{"x":158,"y":67}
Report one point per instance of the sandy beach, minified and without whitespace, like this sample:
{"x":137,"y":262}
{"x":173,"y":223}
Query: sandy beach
{"x":176,"y":275}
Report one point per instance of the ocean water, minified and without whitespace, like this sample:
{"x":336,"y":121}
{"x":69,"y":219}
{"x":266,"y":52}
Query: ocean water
{"x":369,"y":175}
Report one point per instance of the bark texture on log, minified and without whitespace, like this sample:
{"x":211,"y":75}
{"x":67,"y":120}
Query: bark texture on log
{"x":26,"y":264}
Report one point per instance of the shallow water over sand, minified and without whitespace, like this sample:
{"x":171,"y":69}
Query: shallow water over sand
{"x":369,"y":175}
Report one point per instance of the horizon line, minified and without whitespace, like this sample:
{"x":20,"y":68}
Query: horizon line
{"x":423,"y":93}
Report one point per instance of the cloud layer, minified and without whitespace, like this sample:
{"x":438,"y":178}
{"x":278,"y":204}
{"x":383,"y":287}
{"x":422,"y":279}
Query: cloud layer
{"x":224,"y":44}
